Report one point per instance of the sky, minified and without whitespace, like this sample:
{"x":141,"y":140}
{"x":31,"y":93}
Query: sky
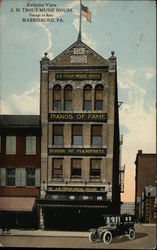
{"x":126,"y":27}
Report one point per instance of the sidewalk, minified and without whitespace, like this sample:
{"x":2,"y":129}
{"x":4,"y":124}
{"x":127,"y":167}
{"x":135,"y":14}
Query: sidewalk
{"x":15,"y":232}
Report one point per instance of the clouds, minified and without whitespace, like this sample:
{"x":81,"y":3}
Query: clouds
{"x":136,"y":122}
{"x":49,"y":38}
{"x":24,"y":103}
{"x":5,"y":108}
{"x":28,"y":101}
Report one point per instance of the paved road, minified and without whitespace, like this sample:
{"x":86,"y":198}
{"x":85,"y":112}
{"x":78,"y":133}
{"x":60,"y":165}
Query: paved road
{"x":145,"y":239}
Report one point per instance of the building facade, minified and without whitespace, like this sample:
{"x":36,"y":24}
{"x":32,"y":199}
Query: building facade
{"x":128,"y":208}
{"x":80,"y":138}
{"x":145,"y":177}
{"x":19,"y":170}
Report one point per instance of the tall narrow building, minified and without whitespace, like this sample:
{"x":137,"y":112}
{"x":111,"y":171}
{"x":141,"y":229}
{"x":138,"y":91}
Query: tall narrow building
{"x":80,"y":138}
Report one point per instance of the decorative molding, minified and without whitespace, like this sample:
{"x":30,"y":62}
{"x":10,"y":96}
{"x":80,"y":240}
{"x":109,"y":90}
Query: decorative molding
{"x":77,"y":85}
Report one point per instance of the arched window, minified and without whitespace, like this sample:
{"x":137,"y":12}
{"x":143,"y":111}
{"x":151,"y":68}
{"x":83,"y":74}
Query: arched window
{"x":68,"y":97}
{"x":99,"y":97}
{"x":87,"y":97}
{"x":57,"y":105}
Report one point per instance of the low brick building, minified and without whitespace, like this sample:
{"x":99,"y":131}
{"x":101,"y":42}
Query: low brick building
{"x":19,"y":170}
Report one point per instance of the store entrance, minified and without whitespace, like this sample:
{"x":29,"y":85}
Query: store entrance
{"x":72,"y":219}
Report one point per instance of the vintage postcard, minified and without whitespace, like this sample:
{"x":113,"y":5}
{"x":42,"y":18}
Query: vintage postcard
{"x":78,"y":124}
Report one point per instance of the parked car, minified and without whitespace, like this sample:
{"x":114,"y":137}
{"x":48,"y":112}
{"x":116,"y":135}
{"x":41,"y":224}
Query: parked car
{"x":114,"y":226}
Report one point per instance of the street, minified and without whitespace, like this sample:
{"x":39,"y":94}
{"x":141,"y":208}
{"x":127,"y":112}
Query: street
{"x":145,"y":239}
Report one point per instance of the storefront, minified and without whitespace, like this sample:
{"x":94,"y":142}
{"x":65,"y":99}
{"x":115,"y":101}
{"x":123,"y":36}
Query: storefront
{"x":18,"y":212}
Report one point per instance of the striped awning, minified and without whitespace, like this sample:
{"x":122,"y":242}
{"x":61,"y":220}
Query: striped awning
{"x":17,"y":204}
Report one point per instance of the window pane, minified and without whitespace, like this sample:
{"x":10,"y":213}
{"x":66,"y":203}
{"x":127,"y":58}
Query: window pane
{"x":30,"y":177}
{"x":77,"y":130}
{"x":57,"y":168}
{"x":68,"y":105}
{"x":77,"y":140}
{"x":0,"y":144}
{"x":95,"y":168}
{"x":97,"y":140}
{"x":57,"y":95}
{"x":87,"y":105}
{"x":58,"y":129}
{"x":57,"y":105}
{"x":76,"y":168}
{"x":31,"y":145}
{"x":10,"y":177}
{"x":10,"y":144}
{"x":98,"y":105}
{"x":58,"y":140}
{"x":87,"y":95}
{"x":97,"y":130}
{"x":99,"y":95}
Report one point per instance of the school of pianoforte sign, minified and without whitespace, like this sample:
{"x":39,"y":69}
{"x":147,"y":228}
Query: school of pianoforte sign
{"x":78,"y":151}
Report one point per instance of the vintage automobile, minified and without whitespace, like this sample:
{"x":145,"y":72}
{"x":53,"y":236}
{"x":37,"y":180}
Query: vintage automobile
{"x":114,"y":226}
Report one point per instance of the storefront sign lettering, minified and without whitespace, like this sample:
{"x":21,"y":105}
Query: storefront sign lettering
{"x":75,"y":117}
{"x":78,"y":151}
{"x":78,"y":76}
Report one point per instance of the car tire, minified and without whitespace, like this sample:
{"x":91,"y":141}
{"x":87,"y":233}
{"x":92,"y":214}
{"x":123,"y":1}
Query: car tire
{"x":107,"y":237}
{"x":92,"y":237}
{"x":131,"y":234}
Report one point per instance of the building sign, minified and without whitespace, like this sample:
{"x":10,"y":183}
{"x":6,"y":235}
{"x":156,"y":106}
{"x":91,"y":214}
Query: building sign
{"x":79,"y":51}
{"x":78,"y":76}
{"x":78,"y":151}
{"x":77,"y":117}
{"x":78,"y":59}
{"x":77,"y":189}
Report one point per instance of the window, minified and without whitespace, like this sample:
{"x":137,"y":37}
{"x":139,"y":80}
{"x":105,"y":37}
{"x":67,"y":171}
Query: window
{"x":0,"y":144}
{"x":95,"y":168}
{"x":57,"y":168}
{"x":99,"y":97}
{"x":30,"y":176}
{"x":30,"y":145}
{"x":68,"y":98}
{"x":57,"y":105}
{"x":96,"y":135}
{"x":77,"y":134}
{"x":58,"y":135}
{"x":11,"y":145}
{"x":11,"y":177}
{"x":76,"y":167}
{"x":87,"y":98}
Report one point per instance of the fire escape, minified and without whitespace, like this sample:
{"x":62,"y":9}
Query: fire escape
{"x":122,"y":168}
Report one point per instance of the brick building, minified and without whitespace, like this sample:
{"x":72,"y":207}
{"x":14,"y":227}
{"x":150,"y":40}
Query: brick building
{"x":19,"y":170}
{"x":145,"y":176}
{"x":80,"y":138}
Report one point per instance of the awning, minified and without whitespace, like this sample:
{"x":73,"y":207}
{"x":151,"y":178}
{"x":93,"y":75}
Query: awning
{"x":71,"y":206}
{"x":17,"y":204}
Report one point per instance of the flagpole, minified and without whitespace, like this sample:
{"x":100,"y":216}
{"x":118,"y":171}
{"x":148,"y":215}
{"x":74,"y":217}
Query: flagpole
{"x":79,"y":35}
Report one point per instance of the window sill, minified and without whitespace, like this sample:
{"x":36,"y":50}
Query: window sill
{"x":57,"y":179}
{"x":95,"y":179}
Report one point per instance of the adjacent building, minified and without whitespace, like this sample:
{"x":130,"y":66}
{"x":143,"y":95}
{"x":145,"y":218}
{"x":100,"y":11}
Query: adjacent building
{"x":128,"y":208}
{"x":79,"y":138}
{"x":145,"y":186}
{"x":19,"y":170}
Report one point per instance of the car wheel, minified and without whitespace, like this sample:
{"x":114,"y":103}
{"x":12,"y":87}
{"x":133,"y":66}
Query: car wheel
{"x":131,"y":234}
{"x":107,"y":237}
{"x":92,"y":237}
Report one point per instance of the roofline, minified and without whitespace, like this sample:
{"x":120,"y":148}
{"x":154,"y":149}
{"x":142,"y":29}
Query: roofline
{"x":62,"y":53}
